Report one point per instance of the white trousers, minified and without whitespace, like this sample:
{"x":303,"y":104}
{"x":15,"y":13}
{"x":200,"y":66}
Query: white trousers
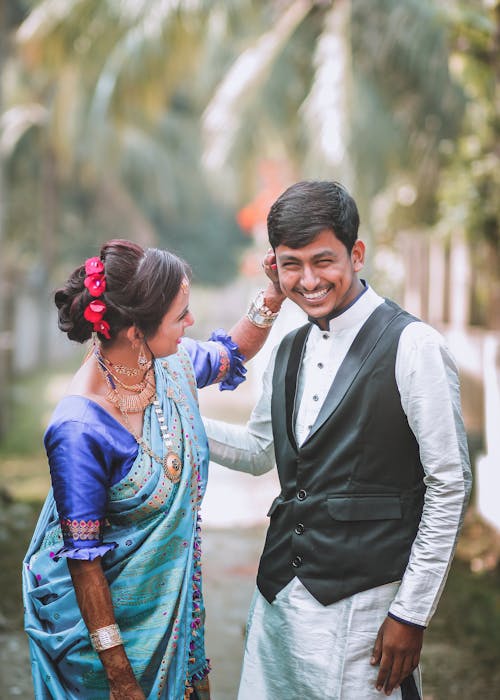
{"x":298,"y":649}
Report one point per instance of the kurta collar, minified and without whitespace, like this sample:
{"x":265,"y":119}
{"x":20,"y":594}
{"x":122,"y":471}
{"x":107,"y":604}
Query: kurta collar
{"x":355,"y":313}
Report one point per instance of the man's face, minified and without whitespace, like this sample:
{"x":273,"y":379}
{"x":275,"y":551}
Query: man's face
{"x":321,"y":276}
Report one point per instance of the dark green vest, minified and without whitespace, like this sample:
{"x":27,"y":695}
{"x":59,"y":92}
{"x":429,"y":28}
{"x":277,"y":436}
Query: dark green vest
{"x":352,"y":494}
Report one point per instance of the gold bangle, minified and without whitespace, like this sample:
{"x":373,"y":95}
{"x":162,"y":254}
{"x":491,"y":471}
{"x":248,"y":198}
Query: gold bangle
{"x":259,"y":314}
{"x":106,"y":638}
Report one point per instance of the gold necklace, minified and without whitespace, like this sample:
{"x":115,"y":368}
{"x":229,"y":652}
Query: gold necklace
{"x":131,"y":387}
{"x":171,"y":462}
{"x":130,"y":403}
{"x":124,"y":369}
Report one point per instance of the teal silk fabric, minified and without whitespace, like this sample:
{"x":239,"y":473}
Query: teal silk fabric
{"x":152,"y":565}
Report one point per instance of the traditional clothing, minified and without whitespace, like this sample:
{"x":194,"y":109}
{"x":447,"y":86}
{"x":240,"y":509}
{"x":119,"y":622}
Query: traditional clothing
{"x":296,"y":646}
{"x":111,"y":499}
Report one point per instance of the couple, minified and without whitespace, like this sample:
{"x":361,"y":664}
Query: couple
{"x":360,"y":410}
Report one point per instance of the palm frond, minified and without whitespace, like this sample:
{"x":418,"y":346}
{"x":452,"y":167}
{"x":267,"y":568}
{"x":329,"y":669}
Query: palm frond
{"x":45,"y":17}
{"x":223,"y":115}
{"x":16,"y":121}
{"x":326,"y":109}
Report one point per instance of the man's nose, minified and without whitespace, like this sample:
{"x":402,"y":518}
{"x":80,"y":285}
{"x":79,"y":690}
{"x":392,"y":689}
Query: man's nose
{"x":309,"y":279}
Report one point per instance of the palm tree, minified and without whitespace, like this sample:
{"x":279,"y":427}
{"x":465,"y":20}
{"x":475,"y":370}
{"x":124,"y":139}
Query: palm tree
{"x":361,"y":110}
{"x":124,"y":91}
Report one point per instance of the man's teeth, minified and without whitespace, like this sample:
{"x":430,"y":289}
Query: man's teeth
{"x":311,"y":296}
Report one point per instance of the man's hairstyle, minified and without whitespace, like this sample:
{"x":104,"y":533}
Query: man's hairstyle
{"x":307,"y":208}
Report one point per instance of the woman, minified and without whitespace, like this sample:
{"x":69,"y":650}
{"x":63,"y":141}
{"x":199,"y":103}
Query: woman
{"x":112,"y":580}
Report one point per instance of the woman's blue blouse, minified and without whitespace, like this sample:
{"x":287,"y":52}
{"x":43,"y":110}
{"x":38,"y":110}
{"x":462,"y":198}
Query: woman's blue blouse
{"x":89,"y":450}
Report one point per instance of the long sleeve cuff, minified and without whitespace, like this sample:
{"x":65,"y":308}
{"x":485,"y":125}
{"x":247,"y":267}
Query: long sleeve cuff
{"x":85,"y":553}
{"x":405,"y":622}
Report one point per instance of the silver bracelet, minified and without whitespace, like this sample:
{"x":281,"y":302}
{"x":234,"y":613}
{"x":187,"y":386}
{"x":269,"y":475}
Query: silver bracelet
{"x":259,"y":314}
{"x":106,"y":638}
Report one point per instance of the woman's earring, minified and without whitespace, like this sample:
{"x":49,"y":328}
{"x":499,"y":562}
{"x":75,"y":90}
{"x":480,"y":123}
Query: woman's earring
{"x":142,"y":360}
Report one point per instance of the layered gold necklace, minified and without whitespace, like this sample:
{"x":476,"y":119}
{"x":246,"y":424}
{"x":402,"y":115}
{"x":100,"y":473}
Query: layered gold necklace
{"x":143,"y":394}
{"x":140,"y":394}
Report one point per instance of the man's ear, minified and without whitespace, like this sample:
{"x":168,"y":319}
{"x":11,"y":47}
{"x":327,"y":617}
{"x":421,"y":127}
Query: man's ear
{"x":358,"y":255}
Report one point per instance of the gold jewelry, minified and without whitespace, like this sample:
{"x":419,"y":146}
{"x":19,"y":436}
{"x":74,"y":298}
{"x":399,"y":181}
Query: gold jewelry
{"x":171,"y":462}
{"x":139,"y":386}
{"x":124,"y":369}
{"x":106,"y":638}
{"x":142,"y":360}
{"x":185,"y":285}
{"x":131,"y":403}
{"x":259,"y":314}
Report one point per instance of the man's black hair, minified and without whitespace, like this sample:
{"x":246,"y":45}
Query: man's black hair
{"x":309,"y":207}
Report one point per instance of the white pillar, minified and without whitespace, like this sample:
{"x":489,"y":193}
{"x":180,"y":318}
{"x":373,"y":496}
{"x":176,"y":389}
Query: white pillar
{"x":459,"y":283}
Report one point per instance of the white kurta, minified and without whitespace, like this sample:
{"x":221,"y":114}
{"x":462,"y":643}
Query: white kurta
{"x":297,"y":648}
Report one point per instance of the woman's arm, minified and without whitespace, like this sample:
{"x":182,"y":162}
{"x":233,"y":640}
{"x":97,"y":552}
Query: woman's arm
{"x":250,"y":337}
{"x":94,"y":599}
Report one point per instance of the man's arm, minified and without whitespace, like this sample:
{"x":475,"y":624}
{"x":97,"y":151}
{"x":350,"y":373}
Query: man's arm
{"x":247,"y":448}
{"x":428,"y":382}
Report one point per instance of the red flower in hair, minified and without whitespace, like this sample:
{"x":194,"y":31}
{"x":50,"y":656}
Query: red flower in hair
{"x":102,"y":327}
{"x":95,"y":311}
{"x":94,"y":266}
{"x":96,"y":284}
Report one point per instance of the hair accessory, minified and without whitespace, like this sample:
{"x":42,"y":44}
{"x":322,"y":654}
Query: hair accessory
{"x":95,"y":282}
{"x":185,"y":285}
{"x":259,"y":314}
{"x":106,"y":638}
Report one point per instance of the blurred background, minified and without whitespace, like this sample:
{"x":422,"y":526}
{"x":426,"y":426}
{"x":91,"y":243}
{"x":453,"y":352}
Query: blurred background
{"x":176,"y":123}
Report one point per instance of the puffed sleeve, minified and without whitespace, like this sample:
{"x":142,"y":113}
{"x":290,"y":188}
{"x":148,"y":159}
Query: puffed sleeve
{"x":80,"y":464}
{"x":217,"y":360}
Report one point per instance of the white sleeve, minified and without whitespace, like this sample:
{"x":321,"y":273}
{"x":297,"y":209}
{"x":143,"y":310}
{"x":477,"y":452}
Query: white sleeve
{"x":247,"y":448}
{"x":428,"y":382}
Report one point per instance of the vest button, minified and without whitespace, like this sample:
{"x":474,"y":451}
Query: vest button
{"x":302,"y":495}
{"x":296,"y":562}
{"x":299,"y":529}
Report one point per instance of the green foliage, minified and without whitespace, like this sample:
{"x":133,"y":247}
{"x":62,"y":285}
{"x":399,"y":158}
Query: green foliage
{"x":469,"y":612}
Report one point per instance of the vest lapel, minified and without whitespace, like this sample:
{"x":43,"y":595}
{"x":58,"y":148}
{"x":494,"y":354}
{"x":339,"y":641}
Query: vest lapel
{"x":291,"y":377}
{"x":362,"y":345}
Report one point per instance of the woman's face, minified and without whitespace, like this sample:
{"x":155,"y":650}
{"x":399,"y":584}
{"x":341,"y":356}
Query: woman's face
{"x":171,"y":329}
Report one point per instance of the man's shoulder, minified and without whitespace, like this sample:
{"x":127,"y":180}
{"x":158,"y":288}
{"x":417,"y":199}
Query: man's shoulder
{"x":419,"y":333}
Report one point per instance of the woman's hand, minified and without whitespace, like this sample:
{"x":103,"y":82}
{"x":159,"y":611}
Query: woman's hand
{"x":273,"y":296}
{"x":271,"y":269}
{"x":126,"y":691}
{"x":96,"y":605}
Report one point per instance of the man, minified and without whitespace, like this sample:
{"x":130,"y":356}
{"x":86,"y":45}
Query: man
{"x":362,"y":408}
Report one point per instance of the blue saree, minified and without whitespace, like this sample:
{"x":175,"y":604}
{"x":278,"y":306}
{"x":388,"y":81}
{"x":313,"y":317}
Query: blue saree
{"x":111,"y":499}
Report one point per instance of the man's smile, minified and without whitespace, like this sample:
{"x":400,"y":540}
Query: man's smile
{"x":315,"y":296}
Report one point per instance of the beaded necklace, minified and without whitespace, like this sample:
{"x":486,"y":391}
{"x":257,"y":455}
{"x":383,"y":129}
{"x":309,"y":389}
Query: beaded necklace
{"x":171,"y":462}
